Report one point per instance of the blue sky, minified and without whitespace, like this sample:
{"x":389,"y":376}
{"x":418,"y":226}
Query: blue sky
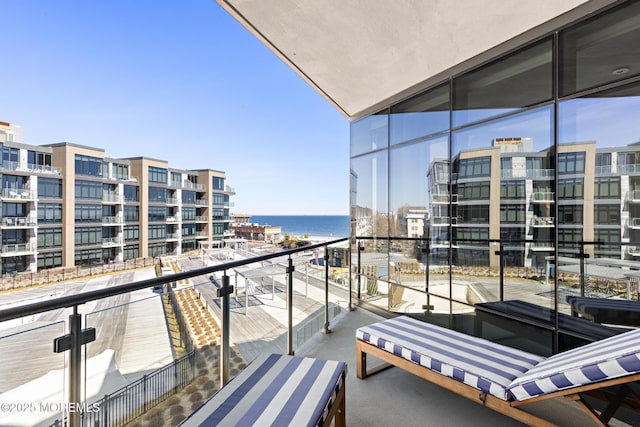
{"x":180,"y":81}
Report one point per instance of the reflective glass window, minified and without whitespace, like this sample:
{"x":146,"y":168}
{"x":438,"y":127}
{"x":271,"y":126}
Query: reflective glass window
{"x":519,"y":80}
{"x":370,"y":133}
{"x":369,"y":196}
{"x":600,"y":50}
{"x":422,"y":115}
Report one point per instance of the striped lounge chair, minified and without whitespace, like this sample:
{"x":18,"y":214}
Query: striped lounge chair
{"x":278,"y":390}
{"x":500,"y":377}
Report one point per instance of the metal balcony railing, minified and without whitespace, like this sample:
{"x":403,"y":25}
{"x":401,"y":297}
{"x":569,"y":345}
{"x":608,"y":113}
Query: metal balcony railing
{"x":124,"y":404}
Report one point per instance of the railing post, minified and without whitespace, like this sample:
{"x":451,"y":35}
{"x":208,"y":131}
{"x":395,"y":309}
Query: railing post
{"x":290,"y":270}
{"x":325,"y":328}
{"x":226,"y":328}
{"x":360,"y":249}
{"x":349,"y":254}
{"x":75,"y":365}
{"x":501,"y":254}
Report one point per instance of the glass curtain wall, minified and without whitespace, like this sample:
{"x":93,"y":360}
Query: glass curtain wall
{"x":510,"y":188}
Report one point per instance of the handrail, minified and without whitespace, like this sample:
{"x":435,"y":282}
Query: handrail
{"x":73,"y":300}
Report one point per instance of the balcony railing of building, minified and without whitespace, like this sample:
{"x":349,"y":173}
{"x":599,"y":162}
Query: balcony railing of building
{"x":628,"y":169}
{"x":634,"y":223}
{"x":19,"y":222}
{"x":229,"y":190}
{"x":192,"y":186}
{"x":200,"y":218}
{"x":112,"y":198}
{"x":19,"y":194}
{"x":542,"y":197}
{"x":528,"y":173}
{"x":444,"y":198}
{"x":201,"y":202}
{"x":633,"y":196}
{"x":18,"y":249}
{"x":173,"y":218}
{"x":111,"y":241}
{"x":229,"y":291}
{"x":31,"y":168}
{"x":542,"y":221}
{"x":113,"y":220}
{"x":172,"y":201}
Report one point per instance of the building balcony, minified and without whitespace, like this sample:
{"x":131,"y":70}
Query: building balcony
{"x":200,"y":234}
{"x":18,"y":249}
{"x":628,"y":169}
{"x":634,"y":223}
{"x":201,"y":218}
{"x":528,"y":174}
{"x":173,"y":236}
{"x":542,"y":221}
{"x":22,"y":194}
{"x":542,"y":197}
{"x":229,"y":190}
{"x":442,"y":221}
{"x":111,"y":241}
{"x":172,"y":201}
{"x":112,"y":220}
{"x":174,"y":218}
{"x":19,"y":222}
{"x":192,"y":186}
{"x":260,"y":320}
{"x":112,"y":198}
{"x":200,"y":202}
{"x":633,"y":250}
{"x":541,"y":246}
{"x":444,"y":198}
{"x":31,"y":168}
{"x":633,"y":196}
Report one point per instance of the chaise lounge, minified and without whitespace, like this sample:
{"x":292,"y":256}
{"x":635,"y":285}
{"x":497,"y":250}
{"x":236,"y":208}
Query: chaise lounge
{"x":500,"y":377}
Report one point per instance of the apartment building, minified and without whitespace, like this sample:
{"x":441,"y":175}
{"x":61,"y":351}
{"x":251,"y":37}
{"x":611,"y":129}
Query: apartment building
{"x":67,"y":205}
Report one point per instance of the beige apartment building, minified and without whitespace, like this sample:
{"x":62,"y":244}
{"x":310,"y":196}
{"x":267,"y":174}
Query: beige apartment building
{"x":67,"y":205}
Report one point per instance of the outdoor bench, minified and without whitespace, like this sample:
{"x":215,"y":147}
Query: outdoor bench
{"x":278,"y":390}
{"x":503,"y":378}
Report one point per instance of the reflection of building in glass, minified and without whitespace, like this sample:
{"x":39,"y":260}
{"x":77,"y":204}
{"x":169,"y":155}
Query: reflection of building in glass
{"x":65,"y":205}
{"x":243,"y":228}
{"x":597,"y":196}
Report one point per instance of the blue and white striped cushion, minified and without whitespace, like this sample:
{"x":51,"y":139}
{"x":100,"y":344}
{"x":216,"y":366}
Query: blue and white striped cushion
{"x":277,"y":390}
{"x":487,"y":366}
{"x":606,"y":359}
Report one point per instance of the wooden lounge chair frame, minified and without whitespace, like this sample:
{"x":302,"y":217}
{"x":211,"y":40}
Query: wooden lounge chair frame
{"x":623,"y":397}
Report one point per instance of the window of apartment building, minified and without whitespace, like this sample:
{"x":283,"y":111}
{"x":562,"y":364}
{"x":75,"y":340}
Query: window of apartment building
{"x":120,"y":171}
{"x":217,"y":228}
{"x":131,"y":193}
{"x":571,"y":188}
{"x":217,"y":183}
{"x":470,"y":233}
{"x":422,"y":115}
{"x":157,"y":231}
{"x":570,"y":214}
{"x":49,"y":238}
{"x":512,"y":214}
{"x":131,"y":232}
{"x":10,"y":157}
{"x":603,"y":162}
{"x":88,"y":165}
{"x":157,"y":249}
{"x":49,"y":213}
{"x":131,"y":214}
{"x":88,"y":257}
{"x":629,"y":158}
{"x":607,"y":214}
{"x":157,"y":175}
{"x":157,"y":213}
{"x":607,"y":188}
{"x":474,"y":167}
{"x":131,"y":252}
{"x":14,"y":237}
{"x":473,"y":214}
{"x":88,"y":190}
{"x":176,"y":179}
{"x":571,"y":163}
{"x":88,"y":213}
{"x":218,"y":213}
{"x":217,"y":199}
{"x":507,"y":84}
{"x":49,"y":260}
{"x":609,"y":242}
{"x":188,"y":214}
{"x":512,"y":190}
{"x":569,"y":236}
{"x":15,"y":264}
{"x":158,"y":195}
{"x":14,"y":210}
{"x":189,"y":197}
{"x":474,"y":191}
{"x":188,"y":229}
{"x":49,"y":188}
{"x":88,"y":236}
{"x":14,"y":182}
{"x":35,"y":158}
{"x":471,"y":257}
{"x":370,"y":133}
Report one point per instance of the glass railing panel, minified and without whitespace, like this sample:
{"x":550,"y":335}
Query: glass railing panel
{"x":34,"y":382}
{"x":373,"y":272}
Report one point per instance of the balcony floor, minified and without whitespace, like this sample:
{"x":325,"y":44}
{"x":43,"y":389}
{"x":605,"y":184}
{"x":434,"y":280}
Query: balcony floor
{"x":394,"y":397}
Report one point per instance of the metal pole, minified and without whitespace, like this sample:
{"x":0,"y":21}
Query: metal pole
{"x":325,"y":328}
{"x":75,"y":365}
{"x":349,"y":254}
{"x":290,"y":270}
{"x":360,"y":249}
{"x":226,"y":327}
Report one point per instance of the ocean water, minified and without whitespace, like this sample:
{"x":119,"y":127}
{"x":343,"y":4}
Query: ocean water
{"x":313,"y":225}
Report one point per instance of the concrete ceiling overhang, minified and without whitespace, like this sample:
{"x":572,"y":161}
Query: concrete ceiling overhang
{"x":363,"y":54}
